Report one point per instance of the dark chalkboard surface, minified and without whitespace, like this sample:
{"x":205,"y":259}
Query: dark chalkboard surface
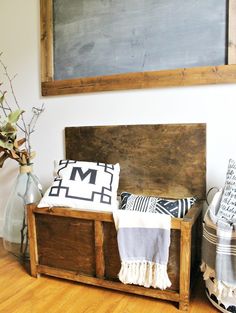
{"x":105,"y":37}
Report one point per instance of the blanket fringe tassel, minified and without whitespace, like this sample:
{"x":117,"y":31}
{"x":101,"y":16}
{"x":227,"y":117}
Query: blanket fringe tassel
{"x":144,"y":273}
{"x":221,"y":289}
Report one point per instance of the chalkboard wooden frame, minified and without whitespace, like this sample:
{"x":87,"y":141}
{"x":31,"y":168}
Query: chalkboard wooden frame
{"x":149,"y":79}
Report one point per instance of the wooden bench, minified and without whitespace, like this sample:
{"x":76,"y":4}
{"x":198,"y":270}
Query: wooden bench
{"x":164,"y":160}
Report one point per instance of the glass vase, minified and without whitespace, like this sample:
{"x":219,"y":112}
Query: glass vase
{"x":26,"y":190}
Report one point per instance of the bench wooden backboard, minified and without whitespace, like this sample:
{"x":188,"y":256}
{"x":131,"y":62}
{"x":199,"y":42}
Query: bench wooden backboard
{"x":167,"y":160}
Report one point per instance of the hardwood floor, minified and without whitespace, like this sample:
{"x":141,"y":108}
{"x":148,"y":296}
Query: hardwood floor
{"x":21,"y":293}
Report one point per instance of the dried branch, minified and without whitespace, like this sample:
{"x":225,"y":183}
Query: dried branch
{"x":9,"y":127}
{"x":10,"y":81}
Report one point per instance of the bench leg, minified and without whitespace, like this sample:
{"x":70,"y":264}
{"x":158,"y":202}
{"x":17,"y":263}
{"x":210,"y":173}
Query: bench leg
{"x":184,"y":305}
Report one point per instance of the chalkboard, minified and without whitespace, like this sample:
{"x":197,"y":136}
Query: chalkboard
{"x":104,"y":37}
{"x":101,"y":38}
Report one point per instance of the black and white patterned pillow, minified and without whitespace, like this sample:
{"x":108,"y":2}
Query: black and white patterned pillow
{"x":83,"y":185}
{"x":175,"y":208}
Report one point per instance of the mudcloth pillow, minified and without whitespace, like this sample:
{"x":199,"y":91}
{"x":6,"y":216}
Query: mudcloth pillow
{"x":83,"y":185}
{"x":175,"y":208}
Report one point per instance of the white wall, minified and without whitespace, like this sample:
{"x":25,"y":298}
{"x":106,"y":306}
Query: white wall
{"x":20,"y":43}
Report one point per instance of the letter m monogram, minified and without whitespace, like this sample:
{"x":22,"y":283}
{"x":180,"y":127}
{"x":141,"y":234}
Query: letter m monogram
{"x":90,"y":173}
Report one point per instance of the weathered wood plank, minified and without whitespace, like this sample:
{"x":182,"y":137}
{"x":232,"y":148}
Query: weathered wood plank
{"x":150,"y":292}
{"x":89,"y":215}
{"x":156,"y":79}
{"x":46,"y":20}
{"x":32,"y":240}
{"x":163,"y":160}
{"x":67,"y":242}
{"x":99,"y":242}
{"x":185,"y":265}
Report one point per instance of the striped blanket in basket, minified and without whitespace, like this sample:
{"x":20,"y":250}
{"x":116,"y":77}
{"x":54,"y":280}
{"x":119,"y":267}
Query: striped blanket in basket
{"x":219,"y":254}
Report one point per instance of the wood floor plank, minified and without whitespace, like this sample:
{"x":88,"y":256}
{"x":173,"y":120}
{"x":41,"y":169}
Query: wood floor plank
{"x":21,"y":293}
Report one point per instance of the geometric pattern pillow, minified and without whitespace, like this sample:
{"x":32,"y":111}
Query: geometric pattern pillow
{"x":175,"y":208}
{"x":83,"y":185}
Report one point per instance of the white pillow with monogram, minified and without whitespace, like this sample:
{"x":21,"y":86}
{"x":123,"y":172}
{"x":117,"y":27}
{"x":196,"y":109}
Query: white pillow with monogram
{"x":83,"y":185}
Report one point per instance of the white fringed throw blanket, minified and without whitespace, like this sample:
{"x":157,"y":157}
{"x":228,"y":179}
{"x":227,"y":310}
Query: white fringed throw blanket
{"x":143,"y":242}
{"x":219,"y":254}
